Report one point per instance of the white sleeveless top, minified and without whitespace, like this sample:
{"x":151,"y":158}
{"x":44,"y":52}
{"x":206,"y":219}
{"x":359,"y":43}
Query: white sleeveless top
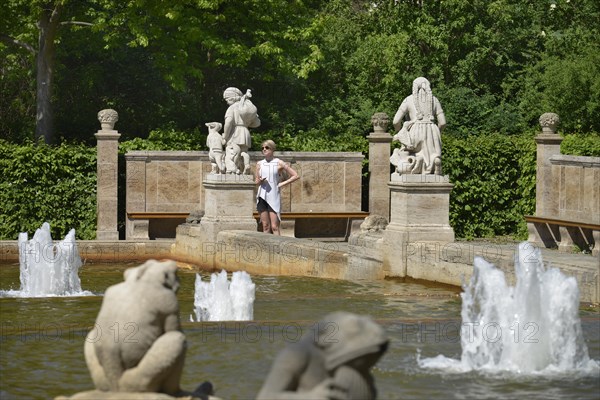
{"x":269,"y":189}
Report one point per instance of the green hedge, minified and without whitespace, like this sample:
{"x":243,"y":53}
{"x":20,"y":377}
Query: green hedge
{"x":494,"y":180}
{"x":580,"y":144}
{"x":494,"y":184}
{"x":167,"y":138}
{"x":47,"y":184}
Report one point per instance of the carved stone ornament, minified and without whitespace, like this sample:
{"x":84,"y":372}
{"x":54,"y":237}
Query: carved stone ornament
{"x":194,"y":217}
{"x":374,"y":223}
{"x":549,"y":122}
{"x":108,"y":118}
{"x":380,"y":122}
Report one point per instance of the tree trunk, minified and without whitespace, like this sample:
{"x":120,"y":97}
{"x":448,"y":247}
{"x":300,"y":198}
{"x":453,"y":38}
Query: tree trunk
{"x":47,"y":25}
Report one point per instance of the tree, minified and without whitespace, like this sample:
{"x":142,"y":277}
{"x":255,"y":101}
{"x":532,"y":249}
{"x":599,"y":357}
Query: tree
{"x":17,"y":31}
{"x":204,"y":41}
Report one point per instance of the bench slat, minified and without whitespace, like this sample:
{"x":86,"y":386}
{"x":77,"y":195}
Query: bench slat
{"x":303,"y":215}
{"x":157,"y":215}
{"x":562,"y":222}
{"x":285,"y":215}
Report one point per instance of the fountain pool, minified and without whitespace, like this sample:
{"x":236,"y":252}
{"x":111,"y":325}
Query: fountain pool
{"x":41,"y":339}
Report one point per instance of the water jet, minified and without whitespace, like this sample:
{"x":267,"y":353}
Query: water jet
{"x":531,"y":328}
{"x":46,"y":268}
{"x":222,"y":300}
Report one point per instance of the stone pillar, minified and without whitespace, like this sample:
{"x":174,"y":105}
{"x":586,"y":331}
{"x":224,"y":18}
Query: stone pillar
{"x":108,"y":172}
{"x":546,"y":187}
{"x":229,"y":203}
{"x":419,"y":212}
{"x":379,"y":166}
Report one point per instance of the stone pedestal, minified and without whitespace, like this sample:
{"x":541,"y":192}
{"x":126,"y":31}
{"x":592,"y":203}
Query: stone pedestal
{"x":229,"y":204}
{"x":108,"y":172}
{"x":419,"y":212}
{"x":379,"y":166}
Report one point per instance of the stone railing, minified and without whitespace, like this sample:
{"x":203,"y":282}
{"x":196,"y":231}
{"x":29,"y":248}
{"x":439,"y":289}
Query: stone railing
{"x":567,"y":195}
{"x":170,"y":182}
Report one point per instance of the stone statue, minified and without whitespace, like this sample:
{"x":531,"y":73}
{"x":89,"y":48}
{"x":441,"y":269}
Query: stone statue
{"x":147,"y":352}
{"x":421,"y":150}
{"x":333,"y":362}
{"x":241,"y":115}
{"x":136,"y":344}
{"x":215,"y":142}
{"x":374,"y":223}
{"x":195,"y":217}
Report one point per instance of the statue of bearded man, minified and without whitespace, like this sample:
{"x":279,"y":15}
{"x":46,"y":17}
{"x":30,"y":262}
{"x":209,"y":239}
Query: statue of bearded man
{"x":420,"y":134}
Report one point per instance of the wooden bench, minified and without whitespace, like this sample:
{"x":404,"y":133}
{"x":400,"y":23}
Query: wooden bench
{"x":564,"y":234}
{"x":179,"y":217}
{"x":284,"y":215}
{"x":140,"y":225}
{"x":310,"y":215}
{"x":305,"y":224}
{"x":157,"y":215}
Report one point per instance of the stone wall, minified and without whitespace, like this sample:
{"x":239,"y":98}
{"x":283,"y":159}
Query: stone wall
{"x":578,"y":187}
{"x":567,"y":195}
{"x":171,"y":182}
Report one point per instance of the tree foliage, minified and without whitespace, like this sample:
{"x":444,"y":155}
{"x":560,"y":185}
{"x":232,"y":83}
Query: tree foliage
{"x":178,"y":53}
{"x":313,"y":65}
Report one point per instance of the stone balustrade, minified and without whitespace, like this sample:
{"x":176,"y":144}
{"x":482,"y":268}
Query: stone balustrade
{"x":568,"y":190}
{"x":171,"y":182}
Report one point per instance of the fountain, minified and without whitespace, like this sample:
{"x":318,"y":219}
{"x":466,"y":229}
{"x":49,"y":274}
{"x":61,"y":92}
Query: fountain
{"x":533,"y":327}
{"x":48,"y":269}
{"x":47,"y":334}
{"x":220,"y":300}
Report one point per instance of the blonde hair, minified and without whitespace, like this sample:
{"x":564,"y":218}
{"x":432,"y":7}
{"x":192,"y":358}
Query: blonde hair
{"x":271,"y":144}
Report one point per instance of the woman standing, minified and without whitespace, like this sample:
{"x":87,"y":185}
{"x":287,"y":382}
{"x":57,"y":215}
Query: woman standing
{"x":268,"y":195}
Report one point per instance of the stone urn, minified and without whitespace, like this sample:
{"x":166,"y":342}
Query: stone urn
{"x":380,"y":122}
{"x":107,"y":119}
{"x":549,"y":122}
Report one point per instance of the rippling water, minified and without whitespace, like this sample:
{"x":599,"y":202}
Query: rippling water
{"x":41,"y":339}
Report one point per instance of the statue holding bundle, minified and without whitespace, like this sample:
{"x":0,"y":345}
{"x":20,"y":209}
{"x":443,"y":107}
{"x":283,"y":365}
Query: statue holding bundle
{"x":241,"y":115}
